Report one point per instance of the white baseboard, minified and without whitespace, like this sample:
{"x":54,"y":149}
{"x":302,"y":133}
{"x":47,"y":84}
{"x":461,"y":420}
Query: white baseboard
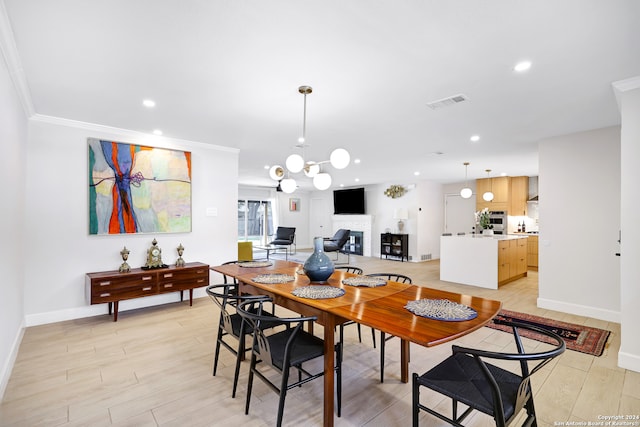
{"x":580,"y":310}
{"x":101,"y":309}
{"x":11,"y":360}
{"x":629,"y":361}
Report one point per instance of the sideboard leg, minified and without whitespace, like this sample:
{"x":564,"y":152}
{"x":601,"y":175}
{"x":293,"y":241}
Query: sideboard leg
{"x":190,"y":297}
{"x":115,"y":311}
{"x":110,"y":309}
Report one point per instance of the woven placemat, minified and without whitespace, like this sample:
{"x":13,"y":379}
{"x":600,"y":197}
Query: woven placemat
{"x":255,"y":264}
{"x":441,"y":309}
{"x":273,"y":278}
{"x":369,"y":282}
{"x":318,"y":292}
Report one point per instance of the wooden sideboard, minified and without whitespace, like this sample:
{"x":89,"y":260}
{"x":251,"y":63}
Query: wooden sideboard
{"x":112,"y":286}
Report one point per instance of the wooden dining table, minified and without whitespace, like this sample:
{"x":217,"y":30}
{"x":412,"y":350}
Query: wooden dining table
{"x":380,"y":307}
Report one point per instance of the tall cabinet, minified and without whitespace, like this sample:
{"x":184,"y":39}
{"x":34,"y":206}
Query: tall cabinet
{"x":510,"y":193}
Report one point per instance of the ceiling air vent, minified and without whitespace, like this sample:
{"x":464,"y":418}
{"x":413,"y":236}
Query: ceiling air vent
{"x":446,"y":102}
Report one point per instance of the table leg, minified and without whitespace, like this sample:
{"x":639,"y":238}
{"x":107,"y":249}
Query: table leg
{"x":404,"y":361}
{"x":329,"y":363}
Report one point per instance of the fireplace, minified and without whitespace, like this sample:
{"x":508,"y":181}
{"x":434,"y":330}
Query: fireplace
{"x":355,"y":243}
{"x":360,"y":225}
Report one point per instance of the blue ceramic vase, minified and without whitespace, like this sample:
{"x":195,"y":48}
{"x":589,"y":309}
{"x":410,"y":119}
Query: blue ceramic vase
{"x":318,"y":267}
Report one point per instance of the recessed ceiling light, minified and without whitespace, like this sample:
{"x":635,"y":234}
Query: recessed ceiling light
{"x":356,"y":161}
{"x":357,"y":179}
{"x":157,"y":132}
{"x":341,"y":185}
{"x":416,"y":173}
{"x":149,"y":103}
{"x":475,"y":138}
{"x":522,"y":66}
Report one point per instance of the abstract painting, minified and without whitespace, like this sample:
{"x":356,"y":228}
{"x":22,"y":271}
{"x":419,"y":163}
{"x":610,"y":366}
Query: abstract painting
{"x":138,"y":189}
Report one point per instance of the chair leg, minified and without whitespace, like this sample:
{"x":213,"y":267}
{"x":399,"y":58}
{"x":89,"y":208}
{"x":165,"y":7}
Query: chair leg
{"x":283,"y":394}
{"x":217,"y":352}
{"x":252,"y":366}
{"x":415,"y":400}
{"x":382,"y":341}
{"x":239,"y":357}
{"x":339,"y":349}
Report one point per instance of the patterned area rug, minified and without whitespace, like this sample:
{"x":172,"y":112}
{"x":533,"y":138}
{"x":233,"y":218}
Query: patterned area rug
{"x":584,"y":339}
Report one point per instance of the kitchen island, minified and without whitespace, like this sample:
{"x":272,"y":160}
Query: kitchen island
{"x":485,"y":261}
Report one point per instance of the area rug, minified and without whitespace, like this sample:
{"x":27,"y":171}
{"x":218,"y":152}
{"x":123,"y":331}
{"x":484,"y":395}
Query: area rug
{"x":584,"y":339}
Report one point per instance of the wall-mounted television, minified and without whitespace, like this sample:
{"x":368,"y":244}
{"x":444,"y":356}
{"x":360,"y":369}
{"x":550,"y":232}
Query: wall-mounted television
{"x":348,"y":201}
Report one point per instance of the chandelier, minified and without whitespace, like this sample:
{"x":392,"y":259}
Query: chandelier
{"x":296,"y":163}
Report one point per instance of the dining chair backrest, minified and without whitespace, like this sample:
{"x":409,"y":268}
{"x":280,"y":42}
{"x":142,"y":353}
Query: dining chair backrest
{"x":395,"y":277}
{"x":468,"y":378}
{"x":350,"y":269}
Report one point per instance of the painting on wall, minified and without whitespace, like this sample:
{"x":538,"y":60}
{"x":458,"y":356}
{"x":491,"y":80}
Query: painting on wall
{"x":294,"y":205}
{"x":138,"y":189}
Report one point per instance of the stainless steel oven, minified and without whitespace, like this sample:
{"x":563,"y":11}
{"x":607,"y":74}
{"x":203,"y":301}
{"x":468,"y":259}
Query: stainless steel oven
{"x":498,"y":219}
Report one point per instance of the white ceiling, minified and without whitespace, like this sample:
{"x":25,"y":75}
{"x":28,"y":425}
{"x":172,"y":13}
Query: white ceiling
{"x":228,"y":72}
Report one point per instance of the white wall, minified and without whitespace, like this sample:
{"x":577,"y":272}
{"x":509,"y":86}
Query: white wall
{"x":579,"y":184}
{"x":59,"y":249}
{"x":629,"y":100}
{"x":13,"y":137}
{"x":424,"y":202}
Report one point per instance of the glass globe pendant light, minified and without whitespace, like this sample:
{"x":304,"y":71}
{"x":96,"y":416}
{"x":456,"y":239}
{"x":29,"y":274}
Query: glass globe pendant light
{"x":295,"y":163}
{"x":466,"y":192}
{"x":288,"y":185}
{"x":488,"y":196}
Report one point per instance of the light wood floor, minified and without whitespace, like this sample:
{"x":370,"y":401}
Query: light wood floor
{"x":153,"y":368}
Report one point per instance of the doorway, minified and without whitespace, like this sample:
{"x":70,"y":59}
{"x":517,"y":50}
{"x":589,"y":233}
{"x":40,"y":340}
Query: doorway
{"x":459,"y":214}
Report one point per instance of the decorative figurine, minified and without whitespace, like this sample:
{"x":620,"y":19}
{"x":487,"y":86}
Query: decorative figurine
{"x":180,"y":261}
{"x":124,"y":268}
{"x":154,"y":257}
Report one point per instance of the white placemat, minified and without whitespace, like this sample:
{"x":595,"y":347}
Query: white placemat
{"x":369,"y":282}
{"x":273,"y":278}
{"x":255,"y":264}
{"x":441,"y":309}
{"x":318,"y":292}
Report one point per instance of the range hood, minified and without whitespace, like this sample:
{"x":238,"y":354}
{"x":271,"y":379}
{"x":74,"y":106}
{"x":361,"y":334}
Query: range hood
{"x":533,"y":189}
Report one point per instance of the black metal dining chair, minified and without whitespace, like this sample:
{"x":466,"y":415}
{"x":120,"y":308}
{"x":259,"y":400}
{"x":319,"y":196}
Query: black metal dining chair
{"x":396,"y":277}
{"x":468,"y":378}
{"x":354,"y":270}
{"x":231,"y":325}
{"x":284,"y":350}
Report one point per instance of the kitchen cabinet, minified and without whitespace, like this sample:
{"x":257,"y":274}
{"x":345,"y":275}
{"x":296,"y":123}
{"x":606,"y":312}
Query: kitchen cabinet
{"x":395,"y":245}
{"x":509,"y":194}
{"x":504,"y":260}
{"x":519,"y":196}
{"x":532,"y":253}
{"x":501,"y":189}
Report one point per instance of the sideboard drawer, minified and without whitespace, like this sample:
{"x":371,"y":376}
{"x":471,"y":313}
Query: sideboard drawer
{"x":121,"y":282}
{"x":120,"y":293}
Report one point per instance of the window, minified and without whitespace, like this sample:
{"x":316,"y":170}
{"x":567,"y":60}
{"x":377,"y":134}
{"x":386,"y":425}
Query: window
{"x":251,"y":220}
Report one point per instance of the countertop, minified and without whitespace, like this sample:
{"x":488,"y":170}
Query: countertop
{"x":494,"y":237}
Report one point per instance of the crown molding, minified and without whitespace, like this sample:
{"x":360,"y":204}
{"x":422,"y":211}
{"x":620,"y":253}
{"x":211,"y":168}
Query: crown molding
{"x":14,"y":65}
{"x":110,"y":132}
